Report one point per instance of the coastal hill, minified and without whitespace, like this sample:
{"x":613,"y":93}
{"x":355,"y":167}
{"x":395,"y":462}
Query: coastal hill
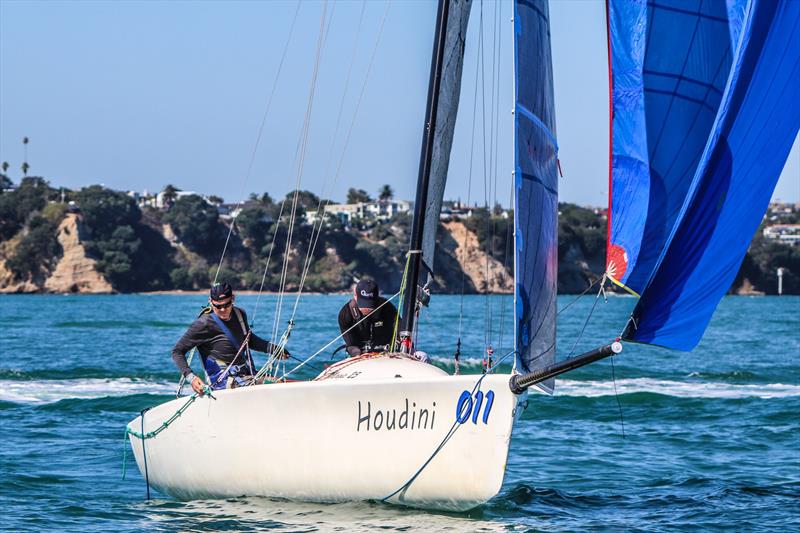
{"x":97,"y":240}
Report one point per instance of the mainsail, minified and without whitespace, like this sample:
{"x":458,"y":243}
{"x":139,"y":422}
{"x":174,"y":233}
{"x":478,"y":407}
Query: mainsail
{"x":449,"y":92}
{"x":535,"y":190}
{"x":704,"y":112}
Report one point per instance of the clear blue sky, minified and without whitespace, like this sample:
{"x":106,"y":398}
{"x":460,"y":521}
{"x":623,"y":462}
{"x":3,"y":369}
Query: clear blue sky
{"x":136,"y":95}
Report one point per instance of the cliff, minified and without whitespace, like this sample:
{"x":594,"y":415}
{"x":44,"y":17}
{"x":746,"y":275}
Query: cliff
{"x":74,"y":271}
{"x":106,"y":243}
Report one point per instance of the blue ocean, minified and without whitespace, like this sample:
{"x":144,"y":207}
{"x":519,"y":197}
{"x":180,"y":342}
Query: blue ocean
{"x":661,"y":440}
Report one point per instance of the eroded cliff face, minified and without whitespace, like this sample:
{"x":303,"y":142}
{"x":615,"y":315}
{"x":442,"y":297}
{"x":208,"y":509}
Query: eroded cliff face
{"x":482,"y":271}
{"x":75,"y":272}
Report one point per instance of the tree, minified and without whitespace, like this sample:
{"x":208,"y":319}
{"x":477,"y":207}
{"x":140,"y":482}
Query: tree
{"x":254,"y":224}
{"x":25,"y":167}
{"x":196,"y":223}
{"x":355,"y":196}
{"x":170,"y":194}
{"x":38,"y":250}
{"x":5,"y":166}
{"x":386,"y":193}
{"x":216,"y":200}
{"x":5,"y":182}
{"x":105,"y":210}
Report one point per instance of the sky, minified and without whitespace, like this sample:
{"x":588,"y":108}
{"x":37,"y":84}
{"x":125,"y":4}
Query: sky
{"x":136,"y":95}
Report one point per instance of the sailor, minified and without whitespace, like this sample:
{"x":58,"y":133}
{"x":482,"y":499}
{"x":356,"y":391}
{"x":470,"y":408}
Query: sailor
{"x":223,"y":340}
{"x":367,"y":321}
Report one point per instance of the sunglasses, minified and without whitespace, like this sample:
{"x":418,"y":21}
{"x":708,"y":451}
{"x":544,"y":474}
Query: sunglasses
{"x":222,"y":307}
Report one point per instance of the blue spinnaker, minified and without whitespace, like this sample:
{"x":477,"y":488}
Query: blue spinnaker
{"x":535,"y":189}
{"x":681,"y":218}
{"x":670,"y":60}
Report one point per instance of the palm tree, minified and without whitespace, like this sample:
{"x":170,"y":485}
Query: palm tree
{"x":386,"y":193}
{"x":25,"y":167}
{"x":170,"y":195}
{"x":5,"y":167}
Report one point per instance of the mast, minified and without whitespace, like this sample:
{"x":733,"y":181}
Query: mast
{"x":408,"y":309}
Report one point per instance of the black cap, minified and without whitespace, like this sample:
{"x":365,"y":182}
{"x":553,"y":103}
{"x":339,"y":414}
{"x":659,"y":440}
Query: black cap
{"x":221,"y":290}
{"x":367,"y":293}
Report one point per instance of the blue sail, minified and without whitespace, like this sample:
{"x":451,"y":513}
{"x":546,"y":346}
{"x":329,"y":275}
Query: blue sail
{"x":669,"y":61}
{"x":535,"y":189}
{"x":684,"y":210}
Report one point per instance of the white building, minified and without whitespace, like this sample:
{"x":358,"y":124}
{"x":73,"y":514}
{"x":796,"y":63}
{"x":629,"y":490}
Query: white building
{"x":783,"y":233}
{"x":161,"y":203}
{"x":380,"y":211}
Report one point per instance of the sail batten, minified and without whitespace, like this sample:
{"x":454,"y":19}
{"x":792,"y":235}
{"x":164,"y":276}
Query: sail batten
{"x":535,"y":190}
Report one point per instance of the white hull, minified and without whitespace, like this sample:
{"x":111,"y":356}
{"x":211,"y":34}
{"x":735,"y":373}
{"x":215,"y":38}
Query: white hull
{"x":360,"y":437}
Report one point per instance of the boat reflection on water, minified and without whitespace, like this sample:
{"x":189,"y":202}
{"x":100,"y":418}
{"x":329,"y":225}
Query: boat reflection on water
{"x":253,"y":513}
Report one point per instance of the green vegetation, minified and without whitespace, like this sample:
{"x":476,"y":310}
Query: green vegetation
{"x":132,"y":252}
{"x":196,"y":223}
{"x":37,"y":252}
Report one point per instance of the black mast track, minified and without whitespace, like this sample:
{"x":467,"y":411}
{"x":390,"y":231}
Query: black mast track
{"x":417,"y":228}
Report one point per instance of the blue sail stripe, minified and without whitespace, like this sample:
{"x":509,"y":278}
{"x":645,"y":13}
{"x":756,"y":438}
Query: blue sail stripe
{"x":533,"y":118}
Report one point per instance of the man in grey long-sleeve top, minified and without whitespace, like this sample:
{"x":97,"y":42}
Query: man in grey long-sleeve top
{"x":223,"y":340}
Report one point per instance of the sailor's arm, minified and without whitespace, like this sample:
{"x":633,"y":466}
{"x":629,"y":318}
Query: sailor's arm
{"x":192,"y":338}
{"x":262,"y":345}
{"x":345,"y":323}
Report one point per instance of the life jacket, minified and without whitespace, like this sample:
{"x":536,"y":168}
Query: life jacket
{"x":364,"y":329}
{"x":222,"y":374}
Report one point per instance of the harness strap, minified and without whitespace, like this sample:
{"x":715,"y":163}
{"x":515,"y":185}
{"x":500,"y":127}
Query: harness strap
{"x":234,"y":369}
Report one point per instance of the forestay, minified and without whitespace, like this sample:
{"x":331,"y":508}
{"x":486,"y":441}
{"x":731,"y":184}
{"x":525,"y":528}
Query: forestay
{"x":535,"y":189}
{"x":704,"y":113}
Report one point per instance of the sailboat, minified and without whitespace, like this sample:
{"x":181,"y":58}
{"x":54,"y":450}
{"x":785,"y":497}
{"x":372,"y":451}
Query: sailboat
{"x":389,"y":427}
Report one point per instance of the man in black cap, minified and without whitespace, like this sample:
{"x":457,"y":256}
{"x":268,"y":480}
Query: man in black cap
{"x":223,"y":339}
{"x":367,"y":320}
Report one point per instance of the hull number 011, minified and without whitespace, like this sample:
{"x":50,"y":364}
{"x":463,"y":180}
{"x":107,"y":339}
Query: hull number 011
{"x":470,"y":405}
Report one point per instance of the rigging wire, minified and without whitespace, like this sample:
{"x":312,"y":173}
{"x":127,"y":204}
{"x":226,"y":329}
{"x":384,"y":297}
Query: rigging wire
{"x":324,"y":204}
{"x":506,"y":253}
{"x":486,"y":316}
{"x":301,"y":165}
{"x":589,"y":316}
{"x":258,"y":137}
{"x":309,"y":358}
{"x":616,"y":395}
{"x":469,"y":184}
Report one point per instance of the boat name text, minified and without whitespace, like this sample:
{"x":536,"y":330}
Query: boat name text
{"x":410,"y":417}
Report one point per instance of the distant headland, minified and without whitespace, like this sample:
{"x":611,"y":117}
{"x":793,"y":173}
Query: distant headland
{"x":98,"y":240}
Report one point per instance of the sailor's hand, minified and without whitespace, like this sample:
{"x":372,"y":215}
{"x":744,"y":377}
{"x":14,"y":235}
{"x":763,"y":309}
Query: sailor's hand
{"x":284,"y":354}
{"x":198,"y":386}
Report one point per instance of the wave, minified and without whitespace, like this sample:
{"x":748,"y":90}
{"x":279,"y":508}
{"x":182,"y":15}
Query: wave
{"x":52,"y":390}
{"x":117,"y":324}
{"x":682,"y":389}
{"x":81,"y":372}
{"x":43,"y":391}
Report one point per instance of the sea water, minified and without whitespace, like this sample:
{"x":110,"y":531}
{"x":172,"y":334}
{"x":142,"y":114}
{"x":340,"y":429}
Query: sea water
{"x":660,"y":440}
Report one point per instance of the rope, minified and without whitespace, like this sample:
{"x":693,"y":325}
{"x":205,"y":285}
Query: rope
{"x":300,"y":167}
{"x":305,"y":361}
{"x":168,"y":422}
{"x":586,"y":322}
{"x":320,"y":207}
{"x":469,"y":187}
{"x":266,"y":265}
{"x":616,"y":395}
{"x":446,"y":438}
{"x":402,"y":293}
{"x":579,"y":296}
